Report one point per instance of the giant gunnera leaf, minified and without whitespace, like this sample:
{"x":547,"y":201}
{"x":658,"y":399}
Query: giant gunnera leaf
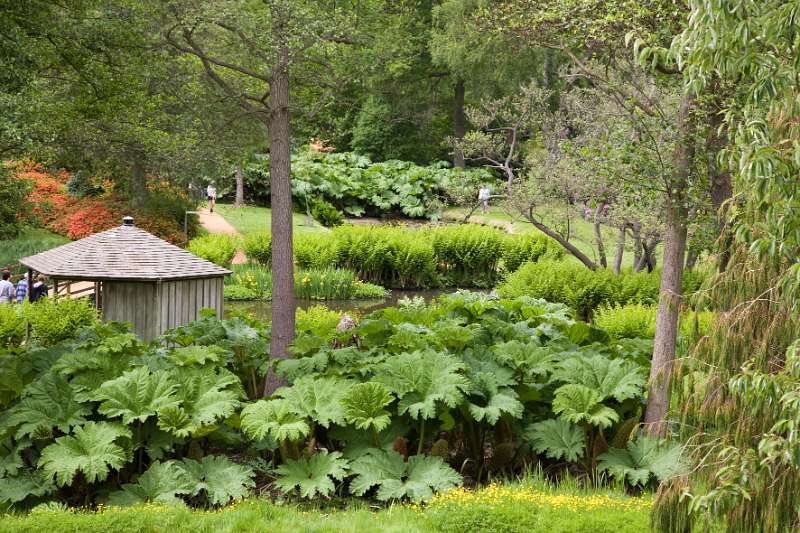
{"x":578,"y":403}
{"x":317,"y":398}
{"x":93,"y":449}
{"x":418,"y":479}
{"x":558,"y":439}
{"x":161,"y":483}
{"x":611,"y":378}
{"x":136,"y":395}
{"x":273,"y":418}
{"x":219,"y":478}
{"x":364,"y":406}
{"x":312,"y":476}
{"x":643,"y":458}
{"x":47,"y":404}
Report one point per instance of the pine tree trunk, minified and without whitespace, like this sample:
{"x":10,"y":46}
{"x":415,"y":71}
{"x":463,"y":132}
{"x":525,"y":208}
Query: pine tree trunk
{"x":669,"y":303}
{"x":598,"y":236}
{"x":459,"y":122}
{"x":620,"y":251}
{"x":239,"y":202}
{"x":281,"y":203}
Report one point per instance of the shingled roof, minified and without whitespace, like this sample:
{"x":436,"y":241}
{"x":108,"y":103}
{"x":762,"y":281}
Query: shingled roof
{"x":123,"y":253}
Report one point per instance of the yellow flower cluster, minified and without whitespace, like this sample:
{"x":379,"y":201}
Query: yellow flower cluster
{"x":519,"y":495}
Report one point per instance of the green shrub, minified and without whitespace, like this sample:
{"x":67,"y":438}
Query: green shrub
{"x":519,"y":249}
{"x":258,"y":247}
{"x":468,"y":255}
{"x":53,"y":321}
{"x":563,"y":282}
{"x":635,"y":320}
{"x":314,"y":251}
{"x":317,"y":320}
{"x":333,"y":284}
{"x":390,"y":257}
{"x":254,"y":280}
{"x":630,"y":321}
{"x":240,"y":292}
{"x":326,"y":214}
{"x":217,"y":248}
{"x":12,"y":325}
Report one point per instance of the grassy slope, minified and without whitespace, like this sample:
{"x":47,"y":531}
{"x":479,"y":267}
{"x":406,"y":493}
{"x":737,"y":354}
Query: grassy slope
{"x":507,"y":509}
{"x":582,"y":232}
{"x":31,"y":241}
{"x":249,"y":220}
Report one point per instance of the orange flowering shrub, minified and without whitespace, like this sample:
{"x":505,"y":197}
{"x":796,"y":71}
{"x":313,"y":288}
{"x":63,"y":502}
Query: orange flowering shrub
{"x":76,"y":218}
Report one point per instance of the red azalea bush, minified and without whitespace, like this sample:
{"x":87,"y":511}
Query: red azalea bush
{"x":75,"y":218}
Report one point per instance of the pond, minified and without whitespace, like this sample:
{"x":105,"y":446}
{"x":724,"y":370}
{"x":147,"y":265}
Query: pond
{"x":261,"y":309}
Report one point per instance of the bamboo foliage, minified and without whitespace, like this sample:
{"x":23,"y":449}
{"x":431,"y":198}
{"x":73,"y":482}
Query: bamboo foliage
{"x":739,"y":392}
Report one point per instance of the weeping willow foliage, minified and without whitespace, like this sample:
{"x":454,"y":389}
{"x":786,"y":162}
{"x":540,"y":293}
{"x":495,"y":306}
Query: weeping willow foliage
{"x":738,"y":403}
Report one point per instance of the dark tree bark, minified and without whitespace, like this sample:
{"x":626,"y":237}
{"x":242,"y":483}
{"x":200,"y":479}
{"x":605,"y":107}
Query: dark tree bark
{"x":669,"y":303}
{"x":720,"y":185}
{"x":281,"y":202}
{"x":620,"y":250}
{"x":239,"y":202}
{"x":636,"y":234}
{"x":459,"y":122}
{"x":138,"y":181}
{"x":598,"y":235}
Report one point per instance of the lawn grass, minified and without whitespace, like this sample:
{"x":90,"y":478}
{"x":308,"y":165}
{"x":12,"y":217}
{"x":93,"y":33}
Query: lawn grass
{"x":582,"y":231}
{"x":31,"y":241}
{"x":525,"y":507}
{"x":251,"y":219}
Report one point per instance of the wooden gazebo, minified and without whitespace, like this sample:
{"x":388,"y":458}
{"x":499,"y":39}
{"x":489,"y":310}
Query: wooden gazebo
{"x":138,"y":277}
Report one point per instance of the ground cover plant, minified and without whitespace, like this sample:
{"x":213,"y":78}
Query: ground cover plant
{"x":413,"y":401}
{"x":254,"y":282}
{"x":529,"y":506}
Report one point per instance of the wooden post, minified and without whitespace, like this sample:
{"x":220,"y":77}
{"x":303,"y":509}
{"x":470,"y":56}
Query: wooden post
{"x":30,"y":284}
{"x":55,"y":289}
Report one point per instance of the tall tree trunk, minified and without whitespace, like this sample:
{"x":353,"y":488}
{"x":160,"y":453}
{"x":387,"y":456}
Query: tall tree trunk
{"x":620,"y":251}
{"x":459,"y":123}
{"x":239,"y":202}
{"x":720,"y":184}
{"x":598,"y":235}
{"x":669,"y":302}
{"x":636,"y":231}
{"x":138,"y":181}
{"x":281,"y":203}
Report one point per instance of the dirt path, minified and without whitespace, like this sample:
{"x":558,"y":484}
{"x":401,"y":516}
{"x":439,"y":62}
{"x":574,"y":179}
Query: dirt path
{"x":215,"y":223}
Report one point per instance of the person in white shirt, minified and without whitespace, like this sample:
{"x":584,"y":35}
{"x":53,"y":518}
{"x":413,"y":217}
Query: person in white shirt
{"x":7,"y":291}
{"x":483,"y":197}
{"x":211,"y":194}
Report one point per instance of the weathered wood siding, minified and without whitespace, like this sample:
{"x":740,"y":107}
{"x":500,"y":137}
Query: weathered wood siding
{"x":154,"y":307}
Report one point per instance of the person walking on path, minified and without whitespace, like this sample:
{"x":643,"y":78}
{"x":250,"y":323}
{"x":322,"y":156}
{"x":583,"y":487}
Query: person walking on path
{"x":483,"y":197}
{"x":211,"y":194}
{"x":6,"y":289}
{"x":22,"y":289}
{"x":40,"y":288}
